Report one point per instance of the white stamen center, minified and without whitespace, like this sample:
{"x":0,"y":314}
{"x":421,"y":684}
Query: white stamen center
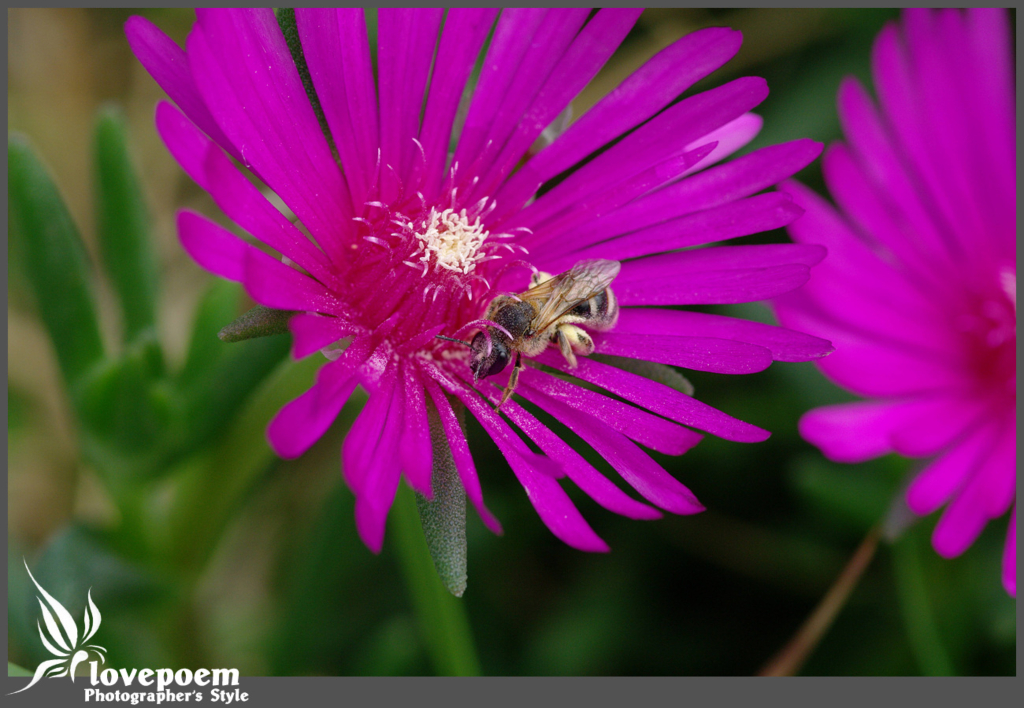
{"x":451,"y":240}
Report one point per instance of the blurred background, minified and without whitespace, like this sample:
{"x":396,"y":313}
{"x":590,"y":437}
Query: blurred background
{"x":236,"y":558}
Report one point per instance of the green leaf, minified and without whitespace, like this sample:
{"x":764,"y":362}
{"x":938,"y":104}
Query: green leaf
{"x":56,"y":263}
{"x":15,"y":670}
{"x":444,"y":517}
{"x":286,"y":20}
{"x":123,"y":227}
{"x":210,"y":490}
{"x":125,"y":417}
{"x":212,"y":399}
{"x":917,"y":605}
{"x":442,"y":617}
{"x":218,"y":305}
{"x":259,"y":321}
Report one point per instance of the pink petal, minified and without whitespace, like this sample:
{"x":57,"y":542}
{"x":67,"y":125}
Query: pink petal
{"x":582,"y":473}
{"x":937,"y":425}
{"x":636,"y":467}
{"x":311,"y":333}
{"x":658,"y":398}
{"x":462,"y":38}
{"x":184,"y":141}
{"x":721,"y":356}
{"x":784,"y":344}
{"x":370,"y":461}
{"x":553,"y":505}
{"x":168,"y":65}
{"x":246,"y":75}
{"x":274,"y":284}
{"x":740,"y":218}
{"x":304,"y":420}
{"x":665,"y":135}
{"x":406,"y":38}
{"x":460,"y":454}
{"x":415,"y":446}
{"x":649,"y":430}
{"x":495,"y":125}
{"x":212,"y":246}
{"x":639,"y":97}
{"x":247,"y":207}
{"x":336,"y":47}
{"x":729,"y":138}
{"x":855,"y":432}
{"x":590,"y":49}
{"x":942,"y":478}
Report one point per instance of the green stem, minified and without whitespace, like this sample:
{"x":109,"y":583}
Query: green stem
{"x":442,"y":616}
{"x":916,"y":607}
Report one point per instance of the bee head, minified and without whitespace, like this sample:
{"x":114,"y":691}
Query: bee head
{"x":486,"y":363}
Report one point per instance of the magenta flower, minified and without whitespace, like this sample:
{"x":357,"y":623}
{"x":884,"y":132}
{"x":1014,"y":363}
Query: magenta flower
{"x":919,"y":289}
{"x":409,"y":242}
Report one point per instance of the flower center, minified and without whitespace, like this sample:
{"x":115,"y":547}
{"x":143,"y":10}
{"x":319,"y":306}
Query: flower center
{"x":450,"y":240}
{"x":991,"y":330}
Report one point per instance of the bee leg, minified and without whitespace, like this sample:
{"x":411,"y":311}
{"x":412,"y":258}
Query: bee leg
{"x":571,"y":341}
{"x":513,"y":381}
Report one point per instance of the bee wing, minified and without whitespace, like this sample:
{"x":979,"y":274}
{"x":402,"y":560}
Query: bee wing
{"x":564,"y":292}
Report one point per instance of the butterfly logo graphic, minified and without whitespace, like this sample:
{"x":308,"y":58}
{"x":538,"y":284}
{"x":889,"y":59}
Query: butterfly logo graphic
{"x":60,"y":636}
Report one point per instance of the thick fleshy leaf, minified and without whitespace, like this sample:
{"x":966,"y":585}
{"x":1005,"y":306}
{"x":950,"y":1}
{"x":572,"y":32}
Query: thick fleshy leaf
{"x":460,"y":454}
{"x":123,"y":228}
{"x":443,"y":515}
{"x":258,"y":321}
{"x":55,"y":262}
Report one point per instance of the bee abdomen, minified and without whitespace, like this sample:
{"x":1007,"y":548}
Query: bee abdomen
{"x":599,"y":312}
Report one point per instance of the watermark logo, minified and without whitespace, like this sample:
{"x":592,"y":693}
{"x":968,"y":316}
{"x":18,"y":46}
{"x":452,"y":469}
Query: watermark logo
{"x":61,"y":637}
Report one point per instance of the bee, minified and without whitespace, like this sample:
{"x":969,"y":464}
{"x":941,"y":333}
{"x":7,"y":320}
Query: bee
{"x":550,"y":312}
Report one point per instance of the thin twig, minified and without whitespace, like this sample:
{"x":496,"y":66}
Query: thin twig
{"x":792,"y":656}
